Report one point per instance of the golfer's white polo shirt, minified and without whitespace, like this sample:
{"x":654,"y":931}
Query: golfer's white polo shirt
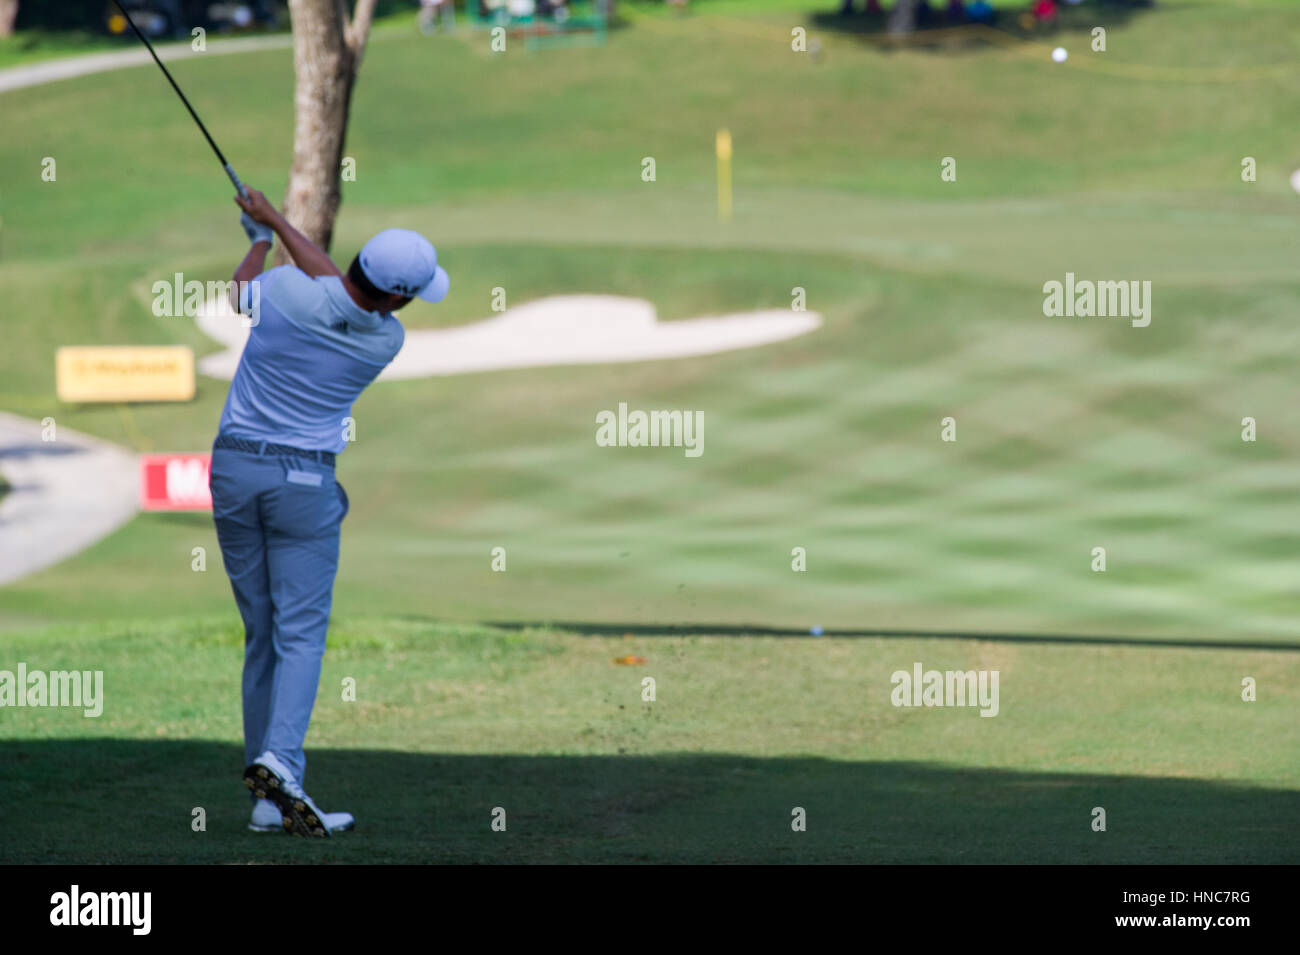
{"x":310,"y":353}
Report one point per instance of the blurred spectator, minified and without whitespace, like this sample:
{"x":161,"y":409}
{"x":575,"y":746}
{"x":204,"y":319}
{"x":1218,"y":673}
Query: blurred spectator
{"x":981,"y":11}
{"x":264,"y":12}
{"x":176,"y":23}
{"x":1045,"y":11}
{"x":429,"y":11}
{"x":956,"y":11}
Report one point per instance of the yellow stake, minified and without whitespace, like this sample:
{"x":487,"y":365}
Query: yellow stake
{"x":723,"y":145}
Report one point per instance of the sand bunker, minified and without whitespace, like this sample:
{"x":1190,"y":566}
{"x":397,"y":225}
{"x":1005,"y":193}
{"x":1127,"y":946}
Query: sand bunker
{"x":561,"y":330}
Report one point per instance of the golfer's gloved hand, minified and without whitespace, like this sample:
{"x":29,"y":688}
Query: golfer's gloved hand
{"x":255,"y":230}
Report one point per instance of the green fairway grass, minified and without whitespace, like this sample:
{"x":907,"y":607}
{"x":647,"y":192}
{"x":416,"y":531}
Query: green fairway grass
{"x":525,"y":170}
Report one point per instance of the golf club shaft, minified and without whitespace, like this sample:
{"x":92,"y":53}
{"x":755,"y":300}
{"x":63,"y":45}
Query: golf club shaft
{"x":239,"y":186}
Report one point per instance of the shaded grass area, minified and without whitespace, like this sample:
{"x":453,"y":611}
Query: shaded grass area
{"x":451,"y":722}
{"x":417,"y":808}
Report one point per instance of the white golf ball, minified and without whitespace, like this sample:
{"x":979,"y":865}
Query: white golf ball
{"x":1295,"y":180}
{"x":1059,"y":55}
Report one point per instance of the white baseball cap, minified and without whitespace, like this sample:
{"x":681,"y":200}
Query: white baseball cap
{"x":402,"y":262}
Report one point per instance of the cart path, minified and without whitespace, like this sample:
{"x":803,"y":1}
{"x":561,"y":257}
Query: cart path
{"x":67,"y":494}
{"x":84,"y":64}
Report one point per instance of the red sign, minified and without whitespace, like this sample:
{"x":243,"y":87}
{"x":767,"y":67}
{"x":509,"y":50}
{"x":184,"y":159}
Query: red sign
{"x":175,"y":482}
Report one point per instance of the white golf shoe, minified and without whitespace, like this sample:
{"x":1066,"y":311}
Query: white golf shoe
{"x":290,"y":808}
{"x":267,"y":818}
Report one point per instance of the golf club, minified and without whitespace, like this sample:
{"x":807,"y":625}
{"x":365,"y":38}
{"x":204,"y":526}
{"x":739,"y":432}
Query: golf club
{"x":206,"y":135}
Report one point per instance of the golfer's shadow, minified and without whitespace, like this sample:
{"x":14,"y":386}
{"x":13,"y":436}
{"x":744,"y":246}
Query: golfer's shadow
{"x":125,"y":800}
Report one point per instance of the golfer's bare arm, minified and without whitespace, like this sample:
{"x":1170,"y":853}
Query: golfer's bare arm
{"x":306,"y":254}
{"x":254,"y":264}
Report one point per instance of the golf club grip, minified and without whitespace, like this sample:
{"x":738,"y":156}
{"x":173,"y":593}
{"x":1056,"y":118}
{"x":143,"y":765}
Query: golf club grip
{"x":243,"y":193}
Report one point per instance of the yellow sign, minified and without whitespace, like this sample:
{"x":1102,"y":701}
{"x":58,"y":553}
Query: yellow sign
{"x":125,"y":373}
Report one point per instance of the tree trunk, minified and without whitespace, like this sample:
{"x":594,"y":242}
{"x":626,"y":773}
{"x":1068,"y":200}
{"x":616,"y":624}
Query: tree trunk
{"x":8,"y":14}
{"x":327,"y":50}
{"x":902,"y":19}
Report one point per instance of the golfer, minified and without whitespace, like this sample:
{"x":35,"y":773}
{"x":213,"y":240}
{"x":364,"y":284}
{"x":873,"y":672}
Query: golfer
{"x":318,"y":337}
